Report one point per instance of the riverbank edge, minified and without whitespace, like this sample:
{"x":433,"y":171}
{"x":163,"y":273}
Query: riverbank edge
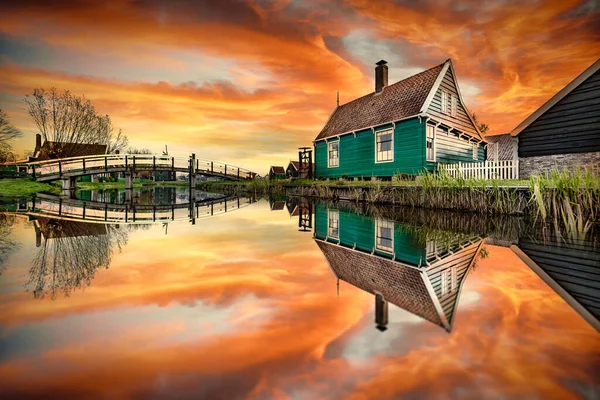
{"x":489,"y":199}
{"x":28,"y":187}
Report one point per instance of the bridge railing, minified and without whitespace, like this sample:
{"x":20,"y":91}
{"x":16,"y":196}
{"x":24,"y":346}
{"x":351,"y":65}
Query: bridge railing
{"x":78,"y":210}
{"x":108,"y":162}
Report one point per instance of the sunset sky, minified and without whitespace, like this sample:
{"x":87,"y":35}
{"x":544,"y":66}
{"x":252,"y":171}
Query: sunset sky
{"x":249,"y":81}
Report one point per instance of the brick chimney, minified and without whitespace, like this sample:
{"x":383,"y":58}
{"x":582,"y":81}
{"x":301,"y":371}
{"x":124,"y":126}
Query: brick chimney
{"x":381,"y":310}
{"x":381,"y":76}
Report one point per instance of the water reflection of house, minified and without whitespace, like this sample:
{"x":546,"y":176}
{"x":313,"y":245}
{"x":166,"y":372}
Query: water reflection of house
{"x":53,"y":229}
{"x":571,"y":267}
{"x":397,"y":263}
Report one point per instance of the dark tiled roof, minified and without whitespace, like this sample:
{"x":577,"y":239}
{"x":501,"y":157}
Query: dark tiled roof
{"x":277,"y":170}
{"x":399,"y":100}
{"x":296,"y":164}
{"x":52,"y":150}
{"x":399,"y":284}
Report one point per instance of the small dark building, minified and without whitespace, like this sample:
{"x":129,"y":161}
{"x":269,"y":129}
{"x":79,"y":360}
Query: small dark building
{"x":564,"y":132}
{"x":52,"y":150}
{"x":292,"y":169}
{"x":276,"y":172}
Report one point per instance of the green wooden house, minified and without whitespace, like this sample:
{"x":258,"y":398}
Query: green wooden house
{"x":406,"y":127}
{"x":420,"y":272}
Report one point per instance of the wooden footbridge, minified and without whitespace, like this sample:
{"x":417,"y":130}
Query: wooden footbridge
{"x":47,"y":206}
{"x":69,"y":169}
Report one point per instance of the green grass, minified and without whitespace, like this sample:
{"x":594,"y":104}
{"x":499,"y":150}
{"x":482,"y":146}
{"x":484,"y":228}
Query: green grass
{"x":25,"y":187}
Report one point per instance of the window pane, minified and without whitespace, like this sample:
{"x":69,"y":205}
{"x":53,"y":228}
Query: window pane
{"x":385,"y":146}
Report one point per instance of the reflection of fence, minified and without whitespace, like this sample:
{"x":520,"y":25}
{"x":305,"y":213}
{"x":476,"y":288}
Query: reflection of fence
{"x":90,"y":211}
{"x":507,"y":169}
{"x":106,"y":163}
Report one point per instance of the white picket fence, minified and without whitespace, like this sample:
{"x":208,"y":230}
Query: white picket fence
{"x":507,"y":169}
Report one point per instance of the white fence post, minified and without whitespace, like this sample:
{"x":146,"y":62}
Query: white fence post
{"x":506,"y":169}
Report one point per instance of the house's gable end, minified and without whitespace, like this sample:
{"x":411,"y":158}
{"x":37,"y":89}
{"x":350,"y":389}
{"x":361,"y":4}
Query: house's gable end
{"x":462,"y":120}
{"x":591,"y":70}
{"x":461,"y":261}
{"x":570,"y":125}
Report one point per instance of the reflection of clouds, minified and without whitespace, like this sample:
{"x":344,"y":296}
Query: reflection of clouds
{"x":176,"y":324}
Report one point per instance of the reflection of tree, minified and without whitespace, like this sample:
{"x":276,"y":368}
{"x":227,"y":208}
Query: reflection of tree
{"x":7,"y":245}
{"x":70,"y":253}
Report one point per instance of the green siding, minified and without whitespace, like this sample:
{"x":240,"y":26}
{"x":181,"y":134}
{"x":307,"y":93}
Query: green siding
{"x":359,"y":231}
{"x":357,"y":154}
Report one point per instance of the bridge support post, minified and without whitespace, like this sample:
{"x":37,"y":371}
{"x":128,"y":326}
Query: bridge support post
{"x":68,"y":184}
{"x":128,"y":180}
{"x":192,"y":171}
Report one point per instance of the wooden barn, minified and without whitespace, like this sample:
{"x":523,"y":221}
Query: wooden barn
{"x":565,"y":131}
{"x":422,"y":275}
{"x":406,"y":127}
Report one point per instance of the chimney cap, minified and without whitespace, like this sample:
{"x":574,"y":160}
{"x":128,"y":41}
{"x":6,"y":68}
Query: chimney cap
{"x":382,"y":62}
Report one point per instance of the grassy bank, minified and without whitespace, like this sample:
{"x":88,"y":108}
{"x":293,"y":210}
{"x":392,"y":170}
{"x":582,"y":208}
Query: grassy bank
{"x":572,"y":198}
{"x":25,"y":187}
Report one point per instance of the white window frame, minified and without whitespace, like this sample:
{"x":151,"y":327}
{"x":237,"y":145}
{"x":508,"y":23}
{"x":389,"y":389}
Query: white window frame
{"x":434,"y":129}
{"x":334,"y":215}
{"x":377,"y":134}
{"x":444,"y":101}
{"x":329,"y":164}
{"x":453,"y":105}
{"x":475,"y":148}
{"x":448,"y":285}
{"x":384,"y":223}
{"x":448,"y":107}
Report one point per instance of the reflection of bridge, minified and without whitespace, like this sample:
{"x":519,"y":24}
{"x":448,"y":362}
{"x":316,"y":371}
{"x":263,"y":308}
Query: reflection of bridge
{"x":45,"y":206}
{"x":69,"y":169}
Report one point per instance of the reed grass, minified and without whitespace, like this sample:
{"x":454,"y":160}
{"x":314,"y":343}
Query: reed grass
{"x":571,"y":197}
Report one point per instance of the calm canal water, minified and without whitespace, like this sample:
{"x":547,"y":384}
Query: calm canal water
{"x":289,"y":299}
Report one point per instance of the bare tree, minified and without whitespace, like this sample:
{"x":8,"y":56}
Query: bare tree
{"x":70,"y":120}
{"x":483,"y":128}
{"x":7,"y":133}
